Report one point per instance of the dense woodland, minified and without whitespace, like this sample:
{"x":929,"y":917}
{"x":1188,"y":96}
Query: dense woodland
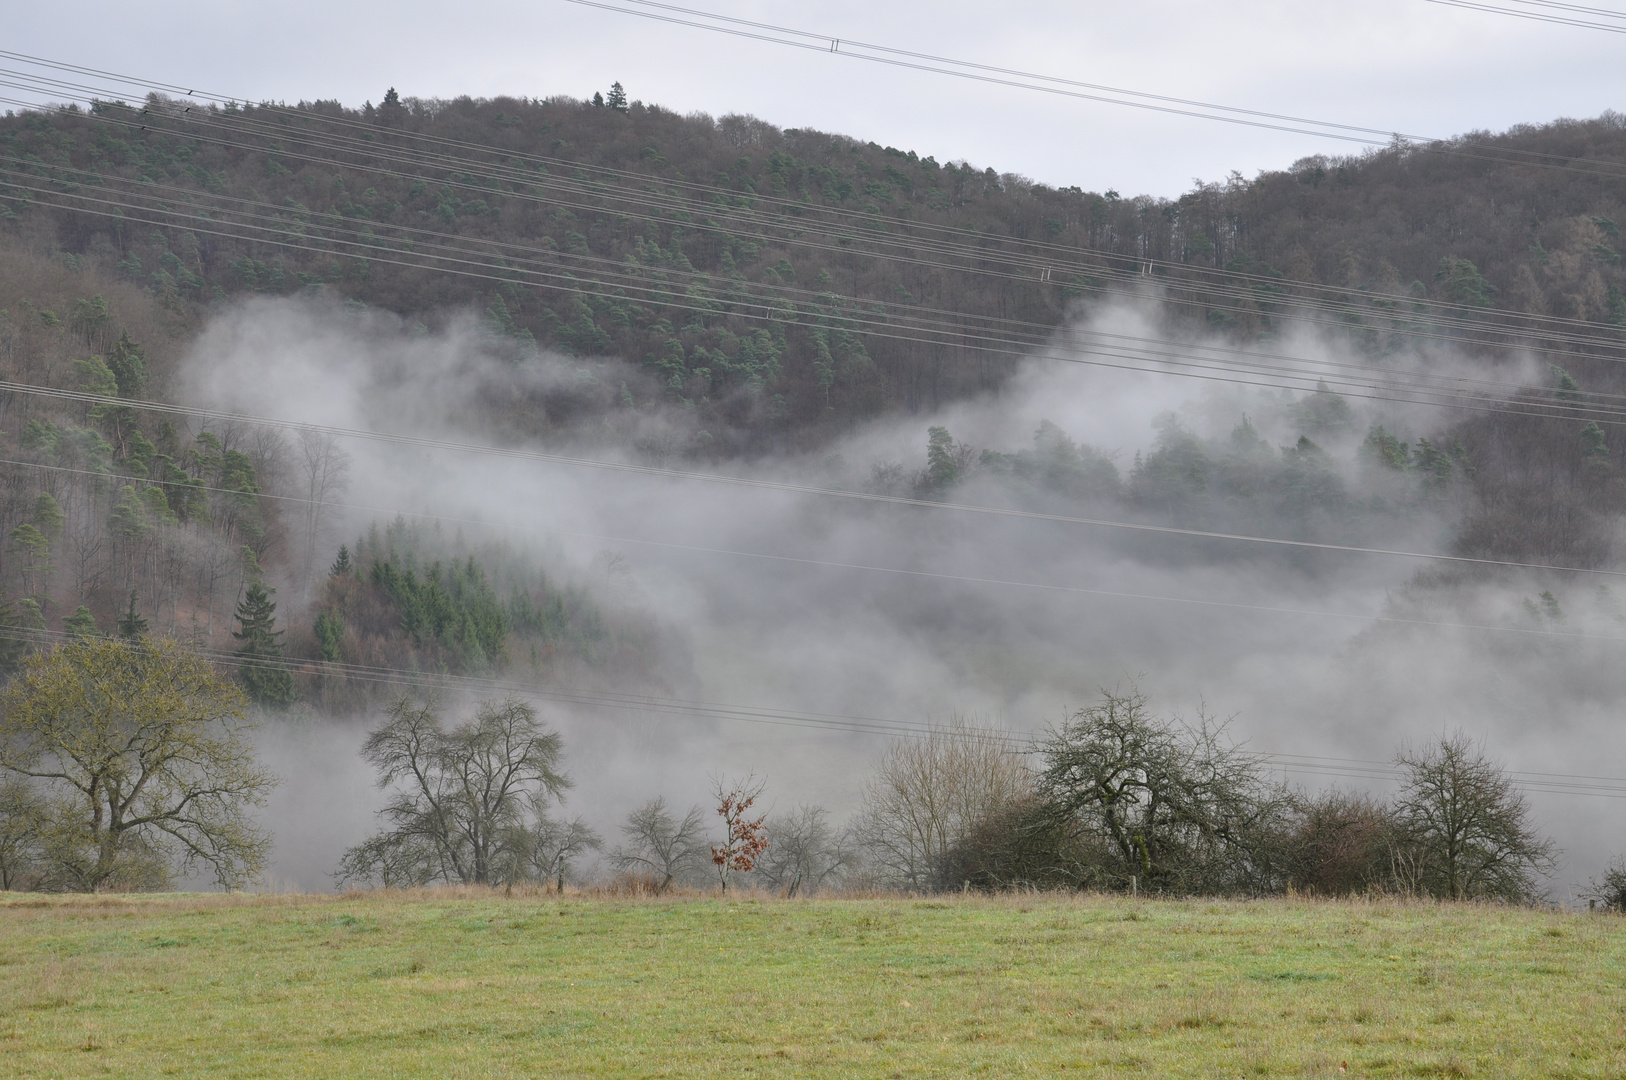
{"x":776,"y":287}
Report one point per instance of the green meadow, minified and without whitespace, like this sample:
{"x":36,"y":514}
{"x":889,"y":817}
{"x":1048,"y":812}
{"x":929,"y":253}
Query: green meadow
{"x":457,"y":983}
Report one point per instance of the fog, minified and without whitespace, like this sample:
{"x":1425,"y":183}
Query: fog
{"x":1060,"y":610}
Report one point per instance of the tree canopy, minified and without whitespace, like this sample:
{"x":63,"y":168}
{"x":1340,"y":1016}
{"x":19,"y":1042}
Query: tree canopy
{"x":138,"y":757}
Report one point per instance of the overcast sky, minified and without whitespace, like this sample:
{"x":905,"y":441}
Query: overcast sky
{"x":1398,"y":65}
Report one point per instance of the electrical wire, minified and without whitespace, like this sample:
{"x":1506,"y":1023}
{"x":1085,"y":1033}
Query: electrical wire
{"x":1167,"y":362}
{"x":827,"y":564}
{"x":965,"y":70}
{"x":370,"y":246}
{"x":787,"y":487}
{"x":1530,"y":15}
{"x":921,"y":316}
{"x":373,"y":148}
{"x":1543,"y":782}
{"x":988,"y":581}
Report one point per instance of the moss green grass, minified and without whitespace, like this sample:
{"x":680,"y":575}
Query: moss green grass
{"x":469,"y":984}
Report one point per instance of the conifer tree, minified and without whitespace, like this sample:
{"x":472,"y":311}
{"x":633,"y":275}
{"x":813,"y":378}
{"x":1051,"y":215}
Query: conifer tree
{"x":616,"y":99}
{"x":264,"y":677}
{"x":81,"y":624}
{"x":128,"y":364}
{"x":132,"y":626}
{"x":342,"y":567}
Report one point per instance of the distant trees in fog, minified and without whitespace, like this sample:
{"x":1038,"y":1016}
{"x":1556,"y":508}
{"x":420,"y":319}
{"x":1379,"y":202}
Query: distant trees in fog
{"x":662,"y":847}
{"x":122,"y":765}
{"x":926,"y":796}
{"x":1121,"y":798}
{"x":469,"y":803}
{"x":807,"y":853}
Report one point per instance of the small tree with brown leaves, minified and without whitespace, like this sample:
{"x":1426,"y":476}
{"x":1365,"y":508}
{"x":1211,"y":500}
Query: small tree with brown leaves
{"x":744,"y":838}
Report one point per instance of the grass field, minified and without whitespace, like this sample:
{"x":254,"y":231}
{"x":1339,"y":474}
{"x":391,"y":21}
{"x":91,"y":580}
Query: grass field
{"x":461,"y":984}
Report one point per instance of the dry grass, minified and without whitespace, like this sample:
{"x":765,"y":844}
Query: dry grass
{"x":468,"y":982}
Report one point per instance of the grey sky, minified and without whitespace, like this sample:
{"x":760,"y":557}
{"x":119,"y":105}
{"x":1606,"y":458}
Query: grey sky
{"x":1405,"y":65}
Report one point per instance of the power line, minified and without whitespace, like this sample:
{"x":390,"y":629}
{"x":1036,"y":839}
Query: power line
{"x":966,"y":70}
{"x":828,"y":564}
{"x":817,"y":42}
{"x":1185,"y":367}
{"x":1362,"y":385}
{"x":925,"y":318}
{"x":758,"y":484}
{"x":374,"y":150}
{"x":1557,"y":783}
{"x":1531,"y":15}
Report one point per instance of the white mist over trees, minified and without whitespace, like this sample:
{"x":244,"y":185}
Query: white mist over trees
{"x":340,"y":505}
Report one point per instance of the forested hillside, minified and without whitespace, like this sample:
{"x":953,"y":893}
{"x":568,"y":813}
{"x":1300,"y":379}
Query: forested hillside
{"x":777,"y":287}
{"x":784,"y":282}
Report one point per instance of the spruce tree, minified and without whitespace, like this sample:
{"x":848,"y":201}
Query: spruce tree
{"x":132,"y":626}
{"x":267,"y":681}
{"x":129,"y":367}
{"x":342,"y":566}
{"x":81,"y":624}
{"x":617,"y":98}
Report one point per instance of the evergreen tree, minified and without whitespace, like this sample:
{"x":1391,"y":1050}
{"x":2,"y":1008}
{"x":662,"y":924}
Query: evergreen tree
{"x":598,"y":100}
{"x":617,"y":98}
{"x":20,"y":626}
{"x":391,"y":109}
{"x":329,"y":633}
{"x":264,"y":677}
{"x":48,"y":516}
{"x":342,"y":566}
{"x":81,"y":624}
{"x":129,"y":367}
{"x":131,"y":625}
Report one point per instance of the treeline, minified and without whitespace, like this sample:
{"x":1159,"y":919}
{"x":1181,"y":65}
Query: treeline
{"x":410,"y":599}
{"x":1115,"y":799}
{"x":125,"y":762}
{"x":1118,"y":798}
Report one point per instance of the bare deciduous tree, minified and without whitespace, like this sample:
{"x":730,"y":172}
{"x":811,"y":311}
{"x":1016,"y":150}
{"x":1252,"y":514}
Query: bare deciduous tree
{"x":926,"y":794}
{"x":1176,"y":806}
{"x":465,"y":798}
{"x":555,"y":844}
{"x":659,"y":844}
{"x":324,"y":470}
{"x":807,"y":852}
{"x":1608,"y":890}
{"x":1464,"y":828}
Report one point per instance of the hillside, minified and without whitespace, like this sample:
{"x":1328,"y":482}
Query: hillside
{"x":788,"y":282}
{"x":742,"y":290}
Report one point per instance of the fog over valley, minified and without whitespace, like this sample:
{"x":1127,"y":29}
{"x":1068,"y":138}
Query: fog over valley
{"x":824,"y":607}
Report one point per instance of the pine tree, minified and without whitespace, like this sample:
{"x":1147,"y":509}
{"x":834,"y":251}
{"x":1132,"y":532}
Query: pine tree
{"x":264,"y":677}
{"x":391,"y":109}
{"x":598,"y":100}
{"x":342,"y":566}
{"x":617,"y":98}
{"x":131,"y":625}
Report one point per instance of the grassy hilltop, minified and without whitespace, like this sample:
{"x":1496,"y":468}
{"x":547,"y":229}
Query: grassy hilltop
{"x":455,"y":983}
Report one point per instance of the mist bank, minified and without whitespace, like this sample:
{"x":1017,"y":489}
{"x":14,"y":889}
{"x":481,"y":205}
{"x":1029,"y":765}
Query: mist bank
{"x":774,"y":599}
